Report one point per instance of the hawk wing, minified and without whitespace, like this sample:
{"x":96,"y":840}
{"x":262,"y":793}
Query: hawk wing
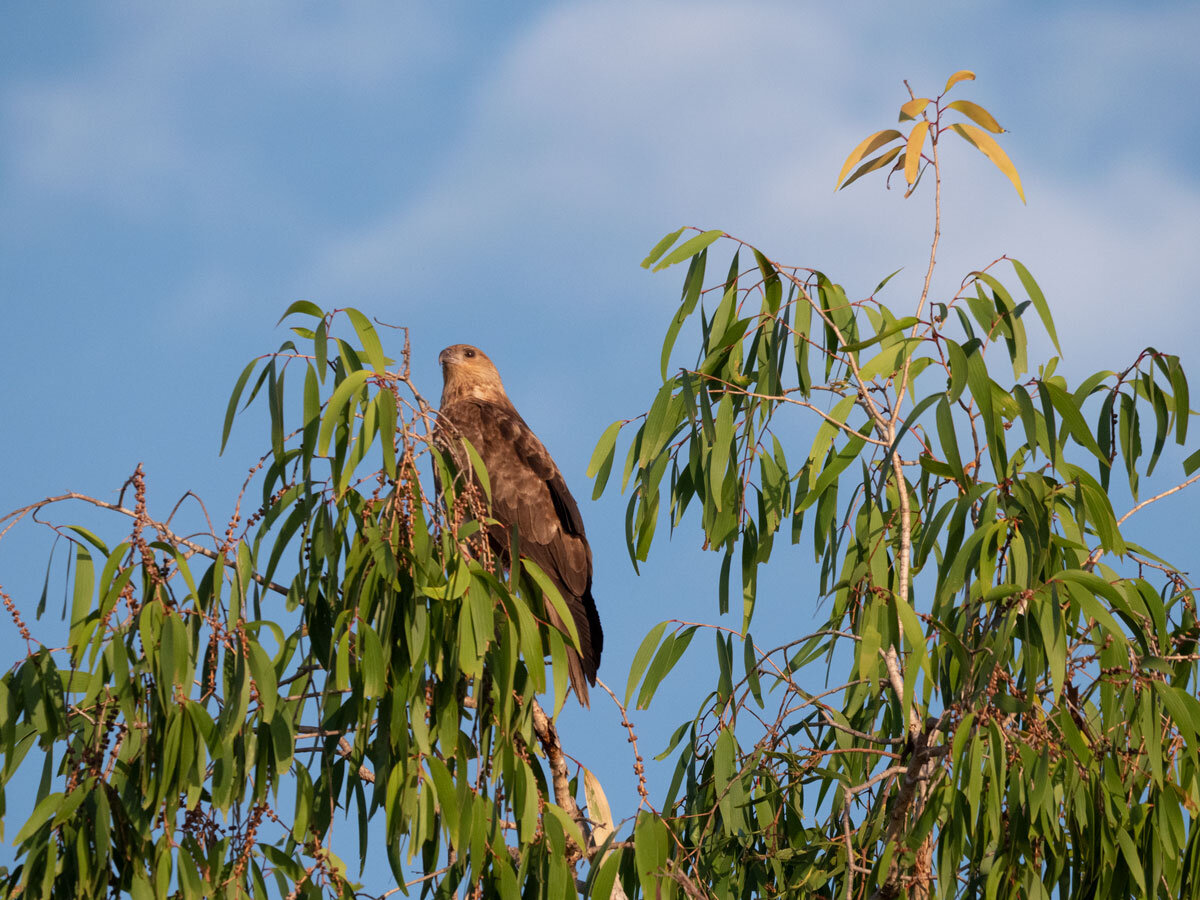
{"x":529,"y":493}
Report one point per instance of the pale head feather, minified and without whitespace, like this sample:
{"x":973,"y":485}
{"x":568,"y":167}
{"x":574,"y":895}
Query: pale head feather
{"x":468,"y":372}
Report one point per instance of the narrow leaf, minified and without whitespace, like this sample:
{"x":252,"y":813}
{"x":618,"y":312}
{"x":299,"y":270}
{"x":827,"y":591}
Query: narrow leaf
{"x":660,"y":248}
{"x":307,"y":307}
{"x":1039,"y":301}
{"x":913,"y":108}
{"x":870,"y":145}
{"x":370,"y":339}
{"x":689,"y":248}
{"x":960,"y":75}
{"x":333,"y":411}
{"x":912,"y":151}
{"x":642,"y":658}
{"x":977,"y":114}
{"x":986,"y":144}
{"x":872,"y":164}
{"x":231,"y":409}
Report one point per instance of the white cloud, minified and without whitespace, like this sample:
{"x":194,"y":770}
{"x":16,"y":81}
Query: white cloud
{"x":617,"y":118}
{"x":162,"y":115}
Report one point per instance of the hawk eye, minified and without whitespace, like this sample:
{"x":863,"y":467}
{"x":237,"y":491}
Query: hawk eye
{"x":469,"y":354}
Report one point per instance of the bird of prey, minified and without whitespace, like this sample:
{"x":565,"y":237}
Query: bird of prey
{"x":528,"y":494}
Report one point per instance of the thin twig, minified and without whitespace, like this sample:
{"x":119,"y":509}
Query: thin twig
{"x":163,"y":531}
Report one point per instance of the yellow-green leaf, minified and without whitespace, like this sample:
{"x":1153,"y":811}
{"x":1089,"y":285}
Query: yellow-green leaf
{"x":960,"y":75}
{"x":660,"y":248}
{"x":370,"y":339}
{"x":569,"y":826}
{"x":642,"y":657}
{"x":604,"y":447}
{"x":651,"y":850}
{"x":554,"y":600}
{"x":689,"y":248}
{"x":987,"y":145}
{"x":870,"y":145}
{"x":912,"y":152}
{"x":977,"y":114}
{"x":913,"y":108}
{"x":337,"y":403}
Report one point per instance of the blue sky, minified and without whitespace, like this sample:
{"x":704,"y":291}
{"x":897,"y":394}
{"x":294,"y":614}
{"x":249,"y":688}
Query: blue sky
{"x":172,"y":176}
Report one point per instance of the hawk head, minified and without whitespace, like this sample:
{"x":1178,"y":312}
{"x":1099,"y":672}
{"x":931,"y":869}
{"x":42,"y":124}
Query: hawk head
{"x":468,"y":372}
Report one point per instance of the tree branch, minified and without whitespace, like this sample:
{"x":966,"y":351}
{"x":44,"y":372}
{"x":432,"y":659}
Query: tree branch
{"x":161,"y":528}
{"x":547,"y":734}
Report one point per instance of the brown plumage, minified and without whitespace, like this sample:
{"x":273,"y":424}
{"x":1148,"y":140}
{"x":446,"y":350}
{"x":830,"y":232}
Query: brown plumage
{"x":528,"y":492}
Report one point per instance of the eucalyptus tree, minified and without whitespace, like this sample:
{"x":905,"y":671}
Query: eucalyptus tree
{"x":1008,"y":701}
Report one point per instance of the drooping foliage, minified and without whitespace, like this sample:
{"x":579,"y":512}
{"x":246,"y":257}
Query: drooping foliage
{"x":348,"y":648}
{"x":1008,"y":685}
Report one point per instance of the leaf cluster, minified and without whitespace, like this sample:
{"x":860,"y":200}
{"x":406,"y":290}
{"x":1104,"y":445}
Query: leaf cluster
{"x":1015,"y":704}
{"x":351,"y":650}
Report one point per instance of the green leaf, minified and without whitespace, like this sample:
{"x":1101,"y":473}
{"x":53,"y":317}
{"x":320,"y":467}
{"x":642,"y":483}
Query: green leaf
{"x":385,"y":403}
{"x":911,"y":420}
{"x":661,"y":247}
{"x":750,"y":661}
{"x":1180,"y":386}
{"x":879,"y":287}
{"x":664,"y":661}
{"x":321,"y":349}
{"x":304,"y":307}
{"x":731,"y":793}
{"x":1132,"y":859}
{"x":660,"y":424}
{"x":45,"y":808}
{"x":642,"y":657}
{"x":350,"y":385}
{"x":479,"y":468}
{"x":602,"y":457}
{"x":554,"y":598}
{"x":1085,"y":587}
{"x":558,"y":662}
{"x":651,"y":850}
{"x":263,"y":672}
{"x":1192,"y":463}
{"x":1072,"y":418}
{"x":913,"y":631}
{"x":981,"y":389}
{"x":370,"y":339}
{"x":341,"y":669}
{"x":896,"y":327}
{"x":231,"y":409}
{"x":605,"y":876}
{"x":692,"y":286}
{"x":689,"y":248}
{"x":85,"y":585}
{"x":569,"y":826}
{"x":371,"y":662}
{"x":958,"y":371}
{"x":1183,"y":709}
{"x":1039,"y":301}
{"x":949,"y":439}
{"x":721,"y":449}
